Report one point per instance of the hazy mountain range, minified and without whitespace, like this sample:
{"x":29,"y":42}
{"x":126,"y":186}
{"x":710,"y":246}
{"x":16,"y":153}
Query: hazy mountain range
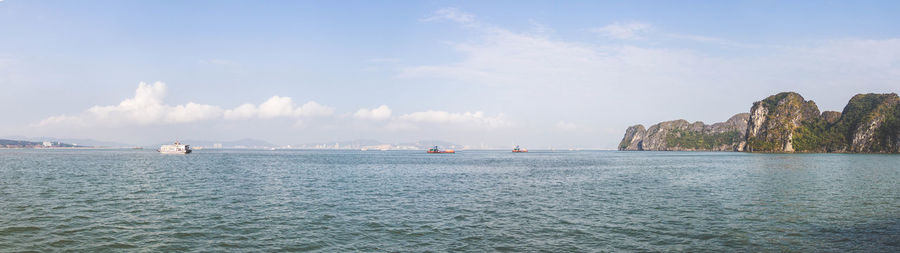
{"x":4,"y":143}
{"x":73,"y":141}
{"x":251,"y":143}
{"x":375,"y":144}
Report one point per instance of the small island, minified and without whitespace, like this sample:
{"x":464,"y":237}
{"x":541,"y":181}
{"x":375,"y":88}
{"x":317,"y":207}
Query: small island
{"x":783,"y":123}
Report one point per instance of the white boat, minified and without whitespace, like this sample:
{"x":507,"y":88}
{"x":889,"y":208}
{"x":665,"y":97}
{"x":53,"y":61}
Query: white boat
{"x":176,"y":148}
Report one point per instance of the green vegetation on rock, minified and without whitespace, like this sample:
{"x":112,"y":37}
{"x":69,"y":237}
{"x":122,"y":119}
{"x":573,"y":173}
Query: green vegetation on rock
{"x":624,"y":144}
{"x":775,"y":119}
{"x":817,"y":135}
{"x":871,"y":123}
{"x":701,"y":141}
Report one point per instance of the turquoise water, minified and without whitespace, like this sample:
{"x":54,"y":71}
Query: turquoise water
{"x":234,"y":200}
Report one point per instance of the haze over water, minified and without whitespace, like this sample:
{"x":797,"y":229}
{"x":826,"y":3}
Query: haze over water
{"x":218,"y":200}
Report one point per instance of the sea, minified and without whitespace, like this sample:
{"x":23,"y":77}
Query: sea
{"x":54,"y":200}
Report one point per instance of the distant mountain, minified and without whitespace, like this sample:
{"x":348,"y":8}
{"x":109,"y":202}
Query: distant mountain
{"x":361,"y":142}
{"x":4,"y":143}
{"x":354,"y":144}
{"x":374,"y":144}
{"x":242,"y":143}
{"x":429,"y":143}
{"x":16,"y":142}
{"x":74,"y":141}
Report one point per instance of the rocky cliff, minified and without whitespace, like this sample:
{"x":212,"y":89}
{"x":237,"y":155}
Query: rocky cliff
{"x":633,"y":139}
{"x":871,"y":123}
{"x":784,"y":122}
{"x":774,"y":120}
{"x":681,"y":135}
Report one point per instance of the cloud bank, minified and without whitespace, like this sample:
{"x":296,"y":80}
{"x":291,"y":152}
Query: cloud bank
{"x":278,"y":107}
{"x":431,"y":119}
{"x":148,"y":108}
{"x":474,"y":119}
{"x":145,"y":108}
{"x":382,"y":112}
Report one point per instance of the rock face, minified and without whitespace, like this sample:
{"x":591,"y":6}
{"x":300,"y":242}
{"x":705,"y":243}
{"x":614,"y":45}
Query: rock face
{"x":774,"y":119}
{"x":831,"y":117}
{"x":681,"y":135}
{"x":785,"y":122}
{"x":871,"y":123}
{"x":633,"y":138}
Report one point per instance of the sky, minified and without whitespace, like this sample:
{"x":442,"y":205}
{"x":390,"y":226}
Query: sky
{"x":562,"y":74}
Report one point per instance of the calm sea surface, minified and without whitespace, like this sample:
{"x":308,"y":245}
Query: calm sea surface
{"x":235,"y":200}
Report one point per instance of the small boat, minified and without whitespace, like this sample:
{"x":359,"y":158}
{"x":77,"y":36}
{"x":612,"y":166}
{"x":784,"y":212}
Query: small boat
{"x":520,"y":150}
{"x":176,"y":148}
{"x":435,"y":150}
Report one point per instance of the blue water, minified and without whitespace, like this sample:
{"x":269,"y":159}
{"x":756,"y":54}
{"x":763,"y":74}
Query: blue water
{"x":237,"y":200}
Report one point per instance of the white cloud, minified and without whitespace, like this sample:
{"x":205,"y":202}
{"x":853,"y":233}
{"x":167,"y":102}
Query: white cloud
{"x":429,"y":119}
{"x":452,"y":14}
{"x":472,"y":119}
{"x":244,"y":111}
{"x":61,"y":119}
{"x":382,"y":112}
{"x":192,"y":112}
{"x":278,"y":107}
{"x":145,"y":108}
{"x":624,"y":31}
{"x":313,"y":109}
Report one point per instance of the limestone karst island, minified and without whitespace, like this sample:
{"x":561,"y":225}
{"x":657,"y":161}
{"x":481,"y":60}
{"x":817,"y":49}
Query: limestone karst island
{"x":785,"y":122}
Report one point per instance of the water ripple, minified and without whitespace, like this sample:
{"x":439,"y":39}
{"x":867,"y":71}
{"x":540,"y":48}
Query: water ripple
{"x":108,"y":200}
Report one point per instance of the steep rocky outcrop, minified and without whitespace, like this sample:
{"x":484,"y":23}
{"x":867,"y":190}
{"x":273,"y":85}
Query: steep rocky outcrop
{"x":682,"y":135}
{"x":657,"y":135}
{"x":774,"y":120}
{"x":738,"y":122}
{"x":871,"y":123}
{"x":634,"y":136}
{"x":785,"y":122}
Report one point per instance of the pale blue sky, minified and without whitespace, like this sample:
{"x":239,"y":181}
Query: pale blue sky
{"x":536,"y":73}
